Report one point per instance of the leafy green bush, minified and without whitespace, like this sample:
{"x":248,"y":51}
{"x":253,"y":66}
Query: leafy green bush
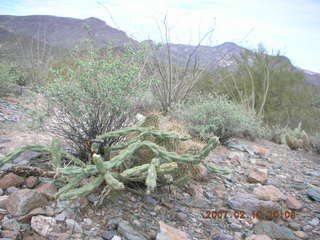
{"x":270,"y":85}
{"x":94,"y":95}
{"x":217,"y":116}
{"x":8,"y":78}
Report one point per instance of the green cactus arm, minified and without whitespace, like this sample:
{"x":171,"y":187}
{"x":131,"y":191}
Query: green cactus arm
{"x":84,"y":190}
{"x":113,"y":182}
{"x":56,"y":154}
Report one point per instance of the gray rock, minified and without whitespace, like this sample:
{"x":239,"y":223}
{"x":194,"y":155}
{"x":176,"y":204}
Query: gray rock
{"x":314,"y":222}
{"x":26,"y":156}
{"x":74,"y":226}
{"x":150,"y":200}
{"x":10,"y":224}
{"x":312,"y":173}
{"x":21,"y":202}
{"x":8,"y":234}
{"x":43,"y":225}
{"x":294,"y":226}
{"x":222,"y":236}
{"x":3,"y":201}
{"x":108,"y":235}
{"x":1,"y":192}
{"x":116,"y":238}
{"x":274,"y":231}
{"x":12,"y":190}
{"x":249,"y":204}
{"x":61,"y":217}
{"x":6,"y":166}
{"x":314,"y":194}
{"x":126,"y":230}
{"x":4,"y":140}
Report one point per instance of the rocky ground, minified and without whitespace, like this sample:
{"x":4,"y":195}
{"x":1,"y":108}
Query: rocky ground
{"x":272,"y":193}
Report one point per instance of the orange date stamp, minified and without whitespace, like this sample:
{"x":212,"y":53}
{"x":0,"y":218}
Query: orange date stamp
{"x":240,"y":214}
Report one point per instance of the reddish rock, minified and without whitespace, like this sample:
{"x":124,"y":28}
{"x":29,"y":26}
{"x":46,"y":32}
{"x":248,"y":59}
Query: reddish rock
{"x":293,"y":203}
{"x":48,"y":189}
{"x":201,"y":173}
{"x":268,"y":193}
{"x":10,"y":180}
{"x":258,"y":237}
{"x":258,"y":175}
{"x":260,"y":149}
{"x":220,"y":190}
{"x":170,"y":233}
{"x":21,"y":202}
{"x":196,"y":191}
{"x":31,"y":181}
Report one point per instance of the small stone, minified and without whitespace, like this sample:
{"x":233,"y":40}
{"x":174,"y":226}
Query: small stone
{"x":269,"y":193}
{"x":8,"y":234}
{"x":87,"y":221}
{"x":294,"y":226}
{"x":127,"y":231}
{"x":307,"y":228}
{"x":1,"y":192}
{"x":10,"y":180}
{"x":235,"y":227}
{"x":6,"y":166}
{"x":48,"y":189}
{"x":274,"y":230}
{"x":61,"y":217}
{"x":31,"y":181}
{"x":258,"y":237}
{"x":258,"y":175}
{"x":10,"y":224}
{"x":301,"y":234}
{"x":74,"y":226}
{"x":293,"y":203}
{"x":223,"y":236}
{"x":249,"y":203}
{"x":22,"y":201}
{"x":170,"y":233}
{"x":237,"y":157}
{"x":3,"y":201}
{"x":314,"y":194}
{"x":26,"y":156}
{"x":108,"y":235}
{"x":43,"y":225}
{"x":150,"y":200}
{"x":12,"y":190}
{"x":116,"y":238}
{"x":201,"y":173}
{"x":196,"y":191}
{"x":314,"y":222}
{"x":4,"y":140}
{"x":181,"y":216}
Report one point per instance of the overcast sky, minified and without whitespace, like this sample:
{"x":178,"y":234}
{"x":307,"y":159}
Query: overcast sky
{"x":291,"y":26}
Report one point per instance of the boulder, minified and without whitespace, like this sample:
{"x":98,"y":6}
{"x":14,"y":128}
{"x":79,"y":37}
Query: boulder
{"x":21,"y":202}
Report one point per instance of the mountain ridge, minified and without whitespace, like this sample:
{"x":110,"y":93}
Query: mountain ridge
{"x":67,"y":32}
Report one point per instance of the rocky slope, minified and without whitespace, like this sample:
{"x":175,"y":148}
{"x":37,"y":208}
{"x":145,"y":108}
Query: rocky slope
{"x":273,"y":193}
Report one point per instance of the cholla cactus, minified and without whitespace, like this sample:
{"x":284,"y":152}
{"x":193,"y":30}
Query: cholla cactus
{"x":115,"y":174}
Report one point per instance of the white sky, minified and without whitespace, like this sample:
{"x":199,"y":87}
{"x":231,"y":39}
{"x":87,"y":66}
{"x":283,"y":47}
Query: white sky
{"x":291,"y":26}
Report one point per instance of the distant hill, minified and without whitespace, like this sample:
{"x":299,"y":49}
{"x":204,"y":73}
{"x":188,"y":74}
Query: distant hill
{"x":64,"y":32}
